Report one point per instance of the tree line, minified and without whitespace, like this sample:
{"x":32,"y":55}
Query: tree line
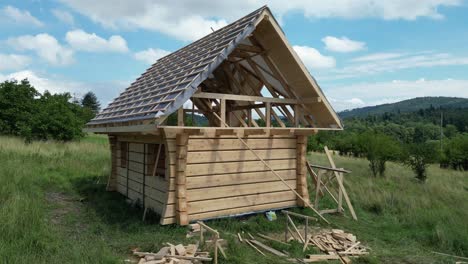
{"x":414,"y":139}
{"x":27,"y":113}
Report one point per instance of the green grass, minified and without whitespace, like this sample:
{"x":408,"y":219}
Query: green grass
{"x":54,"y":209}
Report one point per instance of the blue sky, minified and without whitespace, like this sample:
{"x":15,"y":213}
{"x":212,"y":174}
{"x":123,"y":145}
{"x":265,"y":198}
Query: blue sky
{"x":362,"y":52}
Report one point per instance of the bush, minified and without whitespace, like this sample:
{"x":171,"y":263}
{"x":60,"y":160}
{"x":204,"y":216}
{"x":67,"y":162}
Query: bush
{"x":455,"y":153}
{"x":418,"y":156}
{"x":378,"y":149}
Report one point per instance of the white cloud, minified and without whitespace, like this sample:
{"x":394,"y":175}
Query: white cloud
{"x":105,"y":91}
{"x":13,"y":61}
{"x":313,"y":59}
{"x":46,"y":47}
{"x":150,"y":56}
{"x":342,"y":44}
{"x":367,"y":94}
{"x":80,"y":40}
{"x":190,"y":20}
{"x":64,"y":16}
{"x":376,"y":64}
{"x":378,"y":56}
{"x":20,"y":16}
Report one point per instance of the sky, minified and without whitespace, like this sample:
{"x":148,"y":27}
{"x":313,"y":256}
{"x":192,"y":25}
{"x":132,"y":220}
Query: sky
{"x":361,"y":52}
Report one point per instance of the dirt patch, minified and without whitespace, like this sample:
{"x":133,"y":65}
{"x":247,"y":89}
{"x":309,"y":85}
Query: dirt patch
{"x":63,"y":205}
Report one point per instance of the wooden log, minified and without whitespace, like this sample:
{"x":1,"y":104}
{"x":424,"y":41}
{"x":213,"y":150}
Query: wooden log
{"x":269,"y":249}
{"x":295,"y":228}
{"x":254,"y":247}
{"x":272,"y":239}
{"x":181,"y":180}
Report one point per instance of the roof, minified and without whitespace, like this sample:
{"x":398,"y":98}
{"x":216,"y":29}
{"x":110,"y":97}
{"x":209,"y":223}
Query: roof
{"x":169,"y":82}
{"x":174,"y":79}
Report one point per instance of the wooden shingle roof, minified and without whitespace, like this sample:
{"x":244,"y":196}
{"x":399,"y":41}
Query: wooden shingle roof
{"x":173,"y":79}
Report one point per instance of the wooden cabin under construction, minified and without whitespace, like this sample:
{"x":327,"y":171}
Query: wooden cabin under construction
{"x":219,"y":127}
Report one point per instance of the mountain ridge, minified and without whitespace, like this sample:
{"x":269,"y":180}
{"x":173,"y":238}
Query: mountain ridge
{"x":407,"y":106}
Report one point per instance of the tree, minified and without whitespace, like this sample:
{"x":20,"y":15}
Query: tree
{"x":90,"y":101}
{"x":17,"y":104}
{"x":25,"y":112}
{"x":418,"y":156}
{"x":378,"y":149}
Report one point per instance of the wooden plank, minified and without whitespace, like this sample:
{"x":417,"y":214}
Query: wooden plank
{"x":232,"y":144}
{"x":239,"y":201}
{"x":136,"y":147}
{"x":340,"y":183}
{"x":238,"y":155}
{"x":242,"y":210}
{"x":237,"y":190}
{"x":249,"y":98}
{"x":269,"y":249}
{"x":241,"y":166}
{"x":237,"y":178}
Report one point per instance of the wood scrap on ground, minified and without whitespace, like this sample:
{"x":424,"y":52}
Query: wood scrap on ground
{"x":174,"y":254}
{"x":337,"y":244}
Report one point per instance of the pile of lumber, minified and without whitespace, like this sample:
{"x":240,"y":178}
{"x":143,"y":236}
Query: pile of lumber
{"x":338,"y":242}
{"x":174,"y":254}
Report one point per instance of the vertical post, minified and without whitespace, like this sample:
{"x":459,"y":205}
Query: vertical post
{"x":112,"y":180}
{"x":268,"y":114}
{"x":193,"y":114}
{"x":301,"y":175}
{"x":201,"y":234}
{"x":340,"y":193}
{"x":249,"y":117}
{"x":286,"y":230}
{"x":222,"y":112}
{"x":180,"y":116}
{"x":181,"y":181}
{"x":297,"y":115}
{"x":317,"y":189}
{"x":216,"y":249}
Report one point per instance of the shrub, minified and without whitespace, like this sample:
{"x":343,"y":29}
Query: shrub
{"x":378,"y":149}
{"x":455,"y":153}
{"x":418,"y":156}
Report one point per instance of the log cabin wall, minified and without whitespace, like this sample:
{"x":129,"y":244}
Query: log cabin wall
{"x":135,"y":161}
{"x":223,"y":178}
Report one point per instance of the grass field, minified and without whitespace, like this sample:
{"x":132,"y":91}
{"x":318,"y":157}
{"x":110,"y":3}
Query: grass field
{"x":53,"y":209}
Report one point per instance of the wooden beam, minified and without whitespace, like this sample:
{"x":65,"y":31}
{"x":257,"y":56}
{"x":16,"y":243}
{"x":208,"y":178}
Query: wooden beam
{"x":181,"y":180}
{"x":180,"y":116}
{"x":250,"y":48}
{"x":340,"y":184}
{"x":297,"y":115}
{"x":248,"y":98}
{"x":223,"y":112}
{"x":268,"y":114}
{"x":301,"y":174}
{"x":251,"y":106}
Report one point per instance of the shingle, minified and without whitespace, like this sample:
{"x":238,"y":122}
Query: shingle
{"x":170,"y":80}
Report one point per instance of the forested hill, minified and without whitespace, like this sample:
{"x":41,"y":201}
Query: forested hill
{"x":406,"y":106}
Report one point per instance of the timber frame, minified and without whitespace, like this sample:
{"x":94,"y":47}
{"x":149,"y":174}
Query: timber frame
{"x":259,"y":104}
